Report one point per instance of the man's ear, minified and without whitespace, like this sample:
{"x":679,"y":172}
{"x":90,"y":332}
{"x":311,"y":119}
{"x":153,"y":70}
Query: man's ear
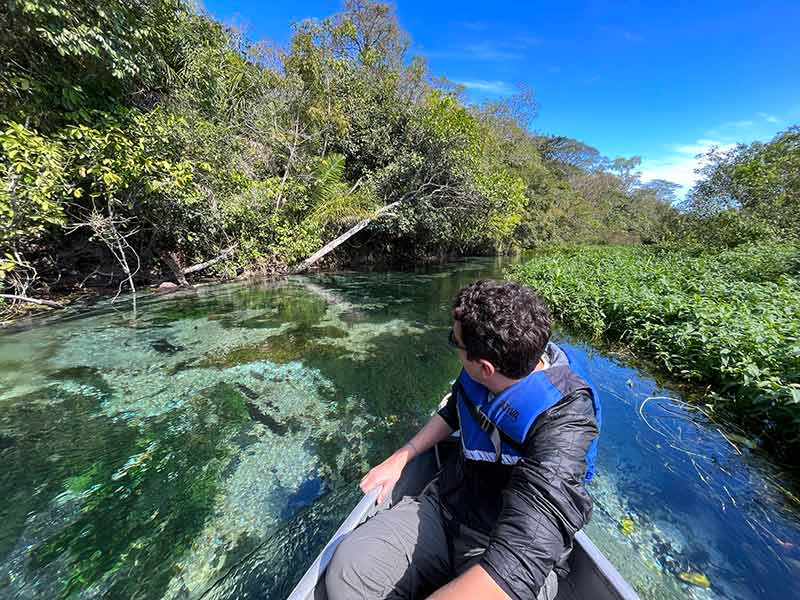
{"x":487,"y":368}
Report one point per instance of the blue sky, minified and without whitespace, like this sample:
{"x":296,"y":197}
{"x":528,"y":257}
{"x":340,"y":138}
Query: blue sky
{"x":663,"y":81}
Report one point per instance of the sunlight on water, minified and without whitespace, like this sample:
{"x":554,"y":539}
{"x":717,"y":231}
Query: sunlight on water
{"x":213,"y":444}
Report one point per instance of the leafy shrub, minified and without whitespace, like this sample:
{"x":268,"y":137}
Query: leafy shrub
{"x":759,"y":181}
{"x":726,"y":229}
{"x":34,"y":167}
{"x":730,"y":320}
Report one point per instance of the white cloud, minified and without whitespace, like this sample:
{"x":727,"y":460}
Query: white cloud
{"x":484,"y":51}
{"x":680,"y":162}
{"x":679,"y":165}
{"x":488,"y":87}
{"x":473,"y":25}
{"x":624,"y":34}
{"x":488,"y":51}
{"x":731,"y":130}
{"x":699,"y":147}
{"x":512,"y":48}
{"x":526,"y":41}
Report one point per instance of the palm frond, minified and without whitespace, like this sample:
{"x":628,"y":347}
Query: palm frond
{"x":334,"y":201}
{"x":340,"y":209}
{"x":329,"y":178}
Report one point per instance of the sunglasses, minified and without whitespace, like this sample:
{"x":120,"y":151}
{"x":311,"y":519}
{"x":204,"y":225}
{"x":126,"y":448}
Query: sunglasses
{"x":451,"y":339}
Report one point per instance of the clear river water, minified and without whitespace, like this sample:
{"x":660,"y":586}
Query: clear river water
{"x":209,"y":447}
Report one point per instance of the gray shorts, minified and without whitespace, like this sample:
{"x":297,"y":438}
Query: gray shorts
{"x":403,"y":553}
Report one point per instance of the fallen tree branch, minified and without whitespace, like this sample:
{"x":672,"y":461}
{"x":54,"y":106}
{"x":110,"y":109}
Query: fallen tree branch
{"x":303,"y":266}
{"x":28,"y":300}
{"x":199,"y":267}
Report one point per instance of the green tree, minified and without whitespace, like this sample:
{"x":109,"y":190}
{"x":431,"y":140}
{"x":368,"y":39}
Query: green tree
{"x":758,"y":182}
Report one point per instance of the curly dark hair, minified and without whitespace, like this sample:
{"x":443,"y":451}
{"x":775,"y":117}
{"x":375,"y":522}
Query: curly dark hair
{"x":504,"y":323}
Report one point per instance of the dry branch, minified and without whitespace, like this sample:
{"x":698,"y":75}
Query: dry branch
{"x":106,"y":229}
{"x":199,"y":267}
{"x":28,"y":300}
{"x":330,"y":246}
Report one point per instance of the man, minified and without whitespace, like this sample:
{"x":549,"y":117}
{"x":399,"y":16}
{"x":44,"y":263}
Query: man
{"x":499,"y":521}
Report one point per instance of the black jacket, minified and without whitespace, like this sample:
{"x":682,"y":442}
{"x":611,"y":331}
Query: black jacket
{"x":530,"y":510}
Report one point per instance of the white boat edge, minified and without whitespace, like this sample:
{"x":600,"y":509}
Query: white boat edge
{"x":304,"y":590}
{"x":592,"y":575}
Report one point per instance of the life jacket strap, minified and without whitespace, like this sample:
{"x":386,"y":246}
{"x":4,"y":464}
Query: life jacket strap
{"x":497,"y":435}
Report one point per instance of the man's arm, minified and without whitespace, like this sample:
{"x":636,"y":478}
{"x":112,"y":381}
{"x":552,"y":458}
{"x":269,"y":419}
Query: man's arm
{"x":388,"y":472}
{"x":476,"y":583}
{"x":544,"y":505}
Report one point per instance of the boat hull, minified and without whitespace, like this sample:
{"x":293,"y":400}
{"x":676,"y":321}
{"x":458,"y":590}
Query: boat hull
{"x":591,"y":577}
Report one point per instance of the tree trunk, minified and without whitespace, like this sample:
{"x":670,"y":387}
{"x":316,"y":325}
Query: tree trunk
{"x":171,"y":260}
{"x":123,"y":260}
{"x":199,"y":267}
{"x":330,"y":246}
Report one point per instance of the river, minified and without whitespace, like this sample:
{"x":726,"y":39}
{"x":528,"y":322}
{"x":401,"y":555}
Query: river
{"x":210,"y":446}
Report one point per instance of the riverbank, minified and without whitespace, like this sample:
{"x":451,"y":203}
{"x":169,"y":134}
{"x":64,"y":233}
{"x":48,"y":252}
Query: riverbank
{"x":89,"y":288}
{"x":726,"y":320}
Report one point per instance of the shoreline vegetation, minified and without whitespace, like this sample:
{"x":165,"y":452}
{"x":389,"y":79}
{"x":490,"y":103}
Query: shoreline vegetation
{"x":725,"y":320}
{"x":140,"y":140}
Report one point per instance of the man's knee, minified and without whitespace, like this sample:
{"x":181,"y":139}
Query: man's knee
{"x":340,"y":571}
{"x":374,"y":561}
{"x":550,"y":588}
{"x":349,"y":574}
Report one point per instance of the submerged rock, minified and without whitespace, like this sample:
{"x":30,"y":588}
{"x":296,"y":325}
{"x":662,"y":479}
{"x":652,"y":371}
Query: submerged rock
{"x":259,"y":415}
{"x":251,"y":394}
{"x":165,"y":347}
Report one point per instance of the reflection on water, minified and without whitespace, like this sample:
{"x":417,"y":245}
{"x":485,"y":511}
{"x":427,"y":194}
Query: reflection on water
{"x":212,"y":445}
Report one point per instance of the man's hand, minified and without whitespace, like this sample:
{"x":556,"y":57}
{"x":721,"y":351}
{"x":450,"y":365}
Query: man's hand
{"x":387,"y":473}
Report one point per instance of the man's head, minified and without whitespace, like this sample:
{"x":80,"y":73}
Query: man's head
{"x":501,"y":329}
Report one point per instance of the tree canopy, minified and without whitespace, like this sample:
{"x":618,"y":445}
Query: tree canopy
{"x":750,"y":192}
{"x":149,"y":132}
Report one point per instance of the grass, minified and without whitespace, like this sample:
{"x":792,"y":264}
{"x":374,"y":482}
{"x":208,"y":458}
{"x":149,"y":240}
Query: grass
{"x":729,"y":320}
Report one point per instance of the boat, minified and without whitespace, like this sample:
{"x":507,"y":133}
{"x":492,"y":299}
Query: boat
{"x":591,"y":576}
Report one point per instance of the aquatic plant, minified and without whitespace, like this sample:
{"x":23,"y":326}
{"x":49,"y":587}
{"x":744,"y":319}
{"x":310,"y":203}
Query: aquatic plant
{"x":129,"y":510}
{"x":729,"y":320}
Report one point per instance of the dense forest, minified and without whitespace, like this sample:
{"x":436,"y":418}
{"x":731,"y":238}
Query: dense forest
{"x":141,"y":138}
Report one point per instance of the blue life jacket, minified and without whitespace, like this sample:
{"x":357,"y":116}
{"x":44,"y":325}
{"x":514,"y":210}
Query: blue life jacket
{"x":495,"y":429}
